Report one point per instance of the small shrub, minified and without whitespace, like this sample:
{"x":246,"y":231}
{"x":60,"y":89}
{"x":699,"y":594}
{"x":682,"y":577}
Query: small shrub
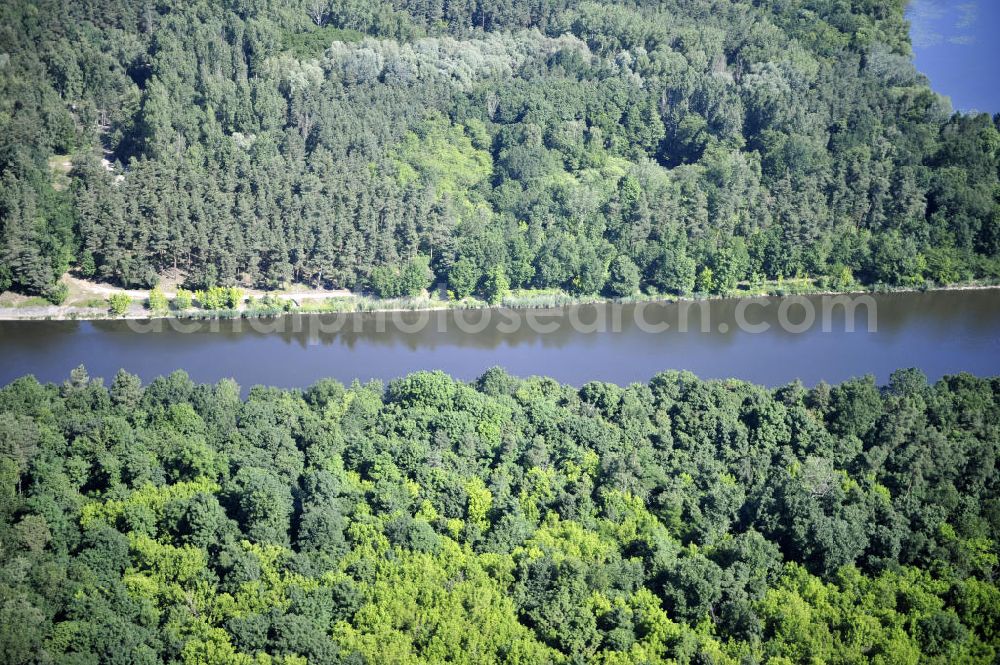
{"x":157,"y":301}
{"x":57,"y":294}
{"x":183,"y":299}
{"x":119,"y":303}
{"x":233,"y":297}
{"x":219,"y":297}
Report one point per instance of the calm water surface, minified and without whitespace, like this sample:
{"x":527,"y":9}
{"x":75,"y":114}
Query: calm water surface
{"x":939,"y":332}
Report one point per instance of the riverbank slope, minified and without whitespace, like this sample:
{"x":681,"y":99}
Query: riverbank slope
{"x":88,"y":300}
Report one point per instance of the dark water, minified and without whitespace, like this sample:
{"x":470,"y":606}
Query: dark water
{"x":940,"y":333}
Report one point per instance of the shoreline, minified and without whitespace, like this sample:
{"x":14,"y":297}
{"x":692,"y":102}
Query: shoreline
{"x":362,"y":305}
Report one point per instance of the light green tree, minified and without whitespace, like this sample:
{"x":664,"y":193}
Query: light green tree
{"x":119,"y":303}
{"x":157,"y":301}
{"x":706,"y":281}
{"x":183,"y":299}
{"x":233,"y":297}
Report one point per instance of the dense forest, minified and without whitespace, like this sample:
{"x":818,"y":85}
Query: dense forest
{"x":506,"y":520}
{"x":593,"y":147}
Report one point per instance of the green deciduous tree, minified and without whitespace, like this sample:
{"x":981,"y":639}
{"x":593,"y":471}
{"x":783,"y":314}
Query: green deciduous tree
{"x":183,"y":299}
{"x":496,"y":286}
{"x":157,"y":301}
{"x":119,"y":303}
{"x":623,"y":277}
{"x":462,"y":279}
{"x":705,"y":282}
{"x":674,"y":271}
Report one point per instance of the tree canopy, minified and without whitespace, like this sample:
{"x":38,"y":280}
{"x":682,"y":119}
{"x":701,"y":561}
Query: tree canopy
{"x":507,"y":520}
{"x":261,"y":142}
